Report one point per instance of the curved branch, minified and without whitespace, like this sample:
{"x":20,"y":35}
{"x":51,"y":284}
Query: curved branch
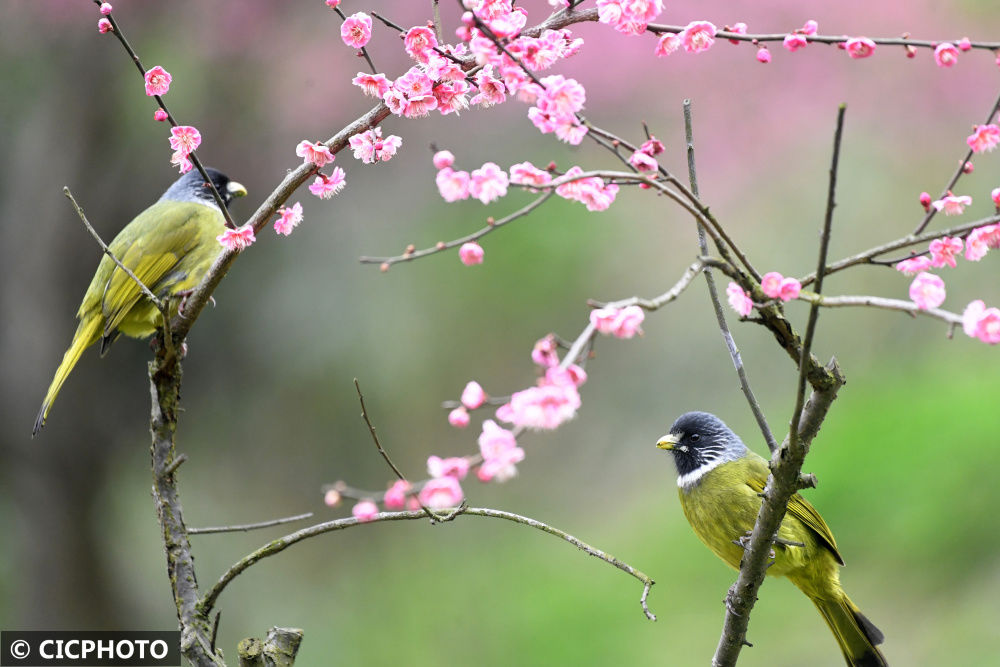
{"x":279,"y":545}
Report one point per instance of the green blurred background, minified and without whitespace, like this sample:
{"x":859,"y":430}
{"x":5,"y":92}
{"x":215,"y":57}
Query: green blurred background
{"x":904,"y":461}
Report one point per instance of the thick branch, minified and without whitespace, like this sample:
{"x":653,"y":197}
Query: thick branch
{"x":786,"y":462}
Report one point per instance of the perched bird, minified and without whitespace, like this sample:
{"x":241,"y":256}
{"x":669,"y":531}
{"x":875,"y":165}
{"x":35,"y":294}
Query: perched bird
{"x":719,"y":482}
{"x":170,"y":247}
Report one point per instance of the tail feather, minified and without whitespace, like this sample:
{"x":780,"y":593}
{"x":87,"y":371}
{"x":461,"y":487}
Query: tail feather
{"x":856,"y":635}
{"x":86,"y":335}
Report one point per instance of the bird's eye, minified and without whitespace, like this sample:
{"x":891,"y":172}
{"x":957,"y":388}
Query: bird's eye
{"x":695,"y":437}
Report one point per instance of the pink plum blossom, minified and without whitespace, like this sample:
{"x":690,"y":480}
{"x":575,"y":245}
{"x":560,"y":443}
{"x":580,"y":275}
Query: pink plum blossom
{"x":500,"y":453}
{"x":859,"y":47}
{"x":738,"y":28}
{"x":237,"y":239}
{"x":395,"y":495}
{"x":591,"y":191}
{"x":441,"y":493}
{"x":964,"y":44}
{"x":927,"y":291}
{"x":370,"y":147}
{"x":459,"y":417}
{"x":978,"y":243}
{"x":981,"y":322}
{"x":317,"y":153}
{"x":526,"y":173}
{"x":652,"y":146}
{"x":471,"y":253}
{"x":325,"y":186}
{"x":810,"y":27}
{"x":288,"y":219}
{"x":420,"y":43}
{"x":185,"y":138}
{"x":944,"y":251}
{"x":984,"y":138}
{"x":643,"y":162}
{"x":491,"y":90}
{"x":545,"y":352}
{"x":453,"y":185}
{"x":332,"y":4}
{"x":488,"y":183}
{"x":545,"y":406}
{"x":945,"y":54}
{"x":952,"y":204}
{"x":473,"y":395}
{"x":739,"y":300}
{"x":698,"y":36}
{"x":160,"y":115}
{"x":667,"y":44}
{"x":914,"y":265}
{"x":455,"y":466}
{"x":356,"y":30}
{"x":157,"y":81}
{"x":105,"y":8}
{"x":620,"y":323}
{"x":763,"y":55}
{"x":795,"y":41}
{"x":995,"y":196}
{"x":628,"y":16}
{"x":373,"y":85}
{"x":776,"y":286}
{"x":365,"y":511}
{"x":104,"y":25}
{"x":443,"y":159}
{"x":561,"y":96}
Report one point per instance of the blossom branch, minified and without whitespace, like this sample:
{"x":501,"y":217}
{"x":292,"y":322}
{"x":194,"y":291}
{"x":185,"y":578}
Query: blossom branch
{"x":713,"y":293}
{"x":868,"y":256}
{"x":249,"y":526}
{"x":819,"y":39}
{"x":159,"y":100}
{"x":363,"y":50}
{"x":786,"y":463}
{"x":280,"y":544}
{"x":959,"y":171}
{"x":910,"y":307}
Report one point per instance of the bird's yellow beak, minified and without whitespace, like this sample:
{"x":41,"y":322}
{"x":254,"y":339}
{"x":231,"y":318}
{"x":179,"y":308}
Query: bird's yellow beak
{"x":236,"y":189}
{"x":668,"y":441}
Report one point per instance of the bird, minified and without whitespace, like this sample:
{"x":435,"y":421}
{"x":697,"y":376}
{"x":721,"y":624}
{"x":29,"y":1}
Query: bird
{"x":170,"y":247}
{"x":720,"y":482}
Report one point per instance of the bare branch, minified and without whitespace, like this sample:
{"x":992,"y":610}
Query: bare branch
{"x":713,"y":294}
{"x":242,"y":528}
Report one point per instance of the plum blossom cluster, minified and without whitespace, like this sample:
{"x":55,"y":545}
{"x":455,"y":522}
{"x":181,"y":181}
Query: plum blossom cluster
{"x":370,"y":147}
{"x":184,"y":139}
{"x":696,"y":37}
{"x":319,"y":154}
{"x":981,"y":322}
{"x":104,"y":23}
{"x":490,"y":182}
{"x":618,"y":322}
{"x":776,"y":286}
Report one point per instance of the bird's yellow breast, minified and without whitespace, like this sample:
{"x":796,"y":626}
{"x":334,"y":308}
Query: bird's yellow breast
{"x":722,"y":507}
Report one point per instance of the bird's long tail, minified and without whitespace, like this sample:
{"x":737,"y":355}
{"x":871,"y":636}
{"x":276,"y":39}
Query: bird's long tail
{"x":86,"y":335}
{"x":857,"y":636}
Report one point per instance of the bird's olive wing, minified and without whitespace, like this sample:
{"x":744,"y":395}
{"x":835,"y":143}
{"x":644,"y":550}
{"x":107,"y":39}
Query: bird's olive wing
{"x":151,"y":246}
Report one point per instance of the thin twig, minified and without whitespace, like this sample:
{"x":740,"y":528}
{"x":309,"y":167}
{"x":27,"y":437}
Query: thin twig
{"x":371,"y":429}
{"x":242,"y":528}
{"x":107,"y":251}
{"x":408,"y":257}
{"x":364,"y":51}
{"x":279,"y":545}
{"x":713,"y":293}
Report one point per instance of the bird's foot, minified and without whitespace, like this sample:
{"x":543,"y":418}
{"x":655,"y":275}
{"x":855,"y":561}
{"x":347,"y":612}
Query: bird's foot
{"x":184,"y":297}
